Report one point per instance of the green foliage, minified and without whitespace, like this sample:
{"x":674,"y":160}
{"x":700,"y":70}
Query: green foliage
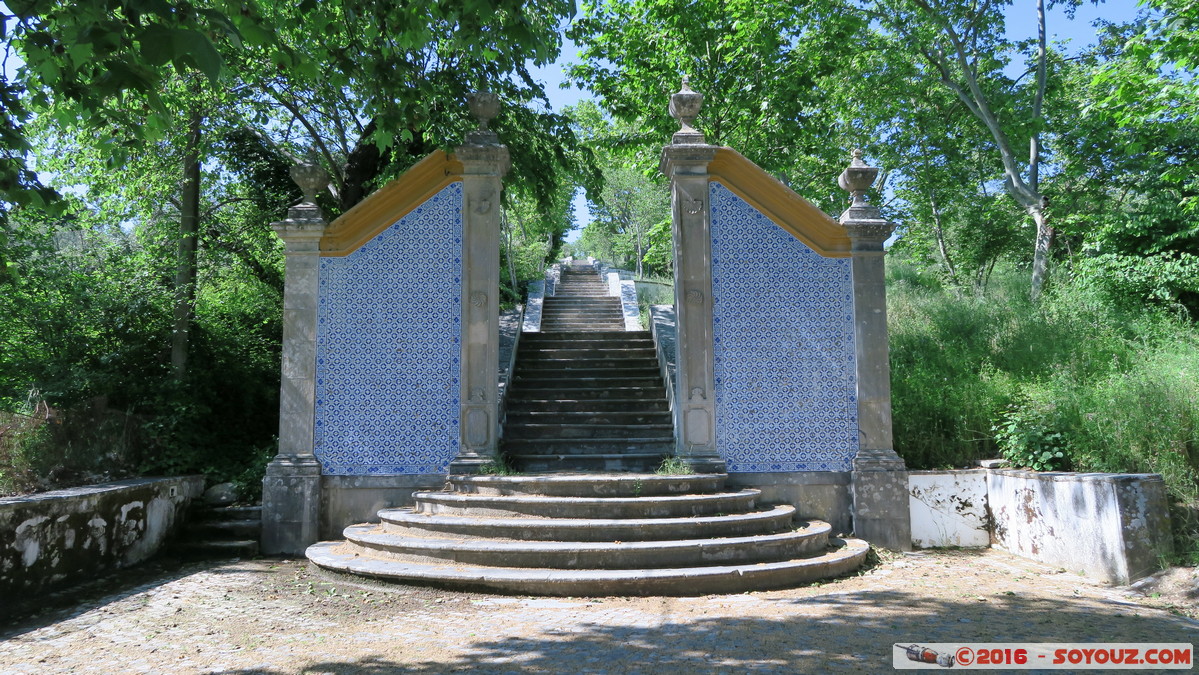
{"x":1028,"y":438}
{"x":1075,"y":382}
{"x":673,"y":466}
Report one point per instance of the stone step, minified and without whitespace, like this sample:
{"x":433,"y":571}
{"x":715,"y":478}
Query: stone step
{"x":215,"y":549}
{"x":566,"y":392}
{"x":810,"y":539}
{"x":537,"y":362}
{"x":589,"y":485}
{"x":576,"y":326}
{"x":226,"y":513}
{"x":585,"y":406}
{"x":661,"y":445}
{"x":567,"y":374}
{"x":518,"y":429}
{"x":768,"y":520}
{"x":542,"y":506}
{"x":842,"y":557}
{"x":540,"y":381}
{"x":619,"y":462}
{"x":584,"y":302}
{"x":570,"y":354}
{"x":589,"y":318}
{"x":619,"y":336}
{"x":225,"y":529}
{"x":586,"y":417}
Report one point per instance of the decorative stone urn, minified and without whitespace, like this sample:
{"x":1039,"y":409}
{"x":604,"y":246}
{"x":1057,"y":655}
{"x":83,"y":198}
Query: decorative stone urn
{"x":484,"y":106}
{"x":311,"y":178}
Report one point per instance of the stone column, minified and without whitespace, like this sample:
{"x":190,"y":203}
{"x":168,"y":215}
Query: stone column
{"x":484,"y":163}
{"x":292,"y":485}
{"x":880,"y":478}
{"x":685,"y":161}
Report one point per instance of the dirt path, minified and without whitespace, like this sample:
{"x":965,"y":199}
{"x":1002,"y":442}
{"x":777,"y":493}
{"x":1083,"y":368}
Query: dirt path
{"x":270,"y":616}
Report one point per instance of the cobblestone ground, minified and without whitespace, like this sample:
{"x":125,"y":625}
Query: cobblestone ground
{"x":271,"y":616}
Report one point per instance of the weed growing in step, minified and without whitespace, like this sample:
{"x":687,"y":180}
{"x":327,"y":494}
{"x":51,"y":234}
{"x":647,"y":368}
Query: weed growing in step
{"x":673,"y":466}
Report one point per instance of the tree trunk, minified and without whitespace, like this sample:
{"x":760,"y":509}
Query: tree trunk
{"x":185,"y":270}
{"x":1041,"y":251}
{"x":940,"y":234}
{"x":640,"y":255}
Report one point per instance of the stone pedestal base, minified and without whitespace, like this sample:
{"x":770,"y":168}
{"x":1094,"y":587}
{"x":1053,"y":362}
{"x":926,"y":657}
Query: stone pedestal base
{"x":471,"y":463}
{"x":880,"y":502}
{"x":705,"y":463}
{"x":291,"y":499}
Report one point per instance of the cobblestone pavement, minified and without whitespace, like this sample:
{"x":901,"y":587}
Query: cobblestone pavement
{"x":271,"y":616}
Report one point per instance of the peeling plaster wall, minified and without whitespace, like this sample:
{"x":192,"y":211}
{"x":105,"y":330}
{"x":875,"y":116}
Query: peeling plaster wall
{"x":949,"y":508}
{"x":1111,"y":527}
{"x":64,"y":536}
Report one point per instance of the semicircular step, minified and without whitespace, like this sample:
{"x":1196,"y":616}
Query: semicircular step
{"x":809,"y":539}
{"x":772,"y":519}
{"x":656,"y":506}
{"x":842,"y":557}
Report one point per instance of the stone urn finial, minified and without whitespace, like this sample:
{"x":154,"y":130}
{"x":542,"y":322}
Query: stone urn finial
{"x":857,"y":178}
{"x":311,"y":178}
{"x":685,"y":105}
{"x":484,"y":106}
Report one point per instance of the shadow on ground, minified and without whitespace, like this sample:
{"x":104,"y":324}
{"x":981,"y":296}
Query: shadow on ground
{"x":856,"y":636}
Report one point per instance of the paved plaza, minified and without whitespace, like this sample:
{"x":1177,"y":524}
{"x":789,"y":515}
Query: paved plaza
{"x":274,"y":616}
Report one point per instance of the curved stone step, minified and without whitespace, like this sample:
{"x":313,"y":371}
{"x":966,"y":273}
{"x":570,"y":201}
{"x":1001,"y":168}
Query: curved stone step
{"x":589,"y":484}
{"x":809,"y":539}
{"x":842,"y":557}
{"x":768,"y":521}
{"x":658,"y":506}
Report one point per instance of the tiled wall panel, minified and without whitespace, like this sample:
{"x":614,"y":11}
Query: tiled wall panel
{"x":387,"y":347}
{"x":785,"y":377}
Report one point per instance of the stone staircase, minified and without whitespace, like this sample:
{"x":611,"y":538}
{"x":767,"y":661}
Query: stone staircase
{"x":586,"y":394}
{"x":581,"y":303}
{"x":215,"y":532}
{"x":587,"y":401}
{"x":588,"y":535}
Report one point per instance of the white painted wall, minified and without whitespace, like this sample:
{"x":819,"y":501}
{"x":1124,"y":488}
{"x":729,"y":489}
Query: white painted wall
{"x":949,"y":508}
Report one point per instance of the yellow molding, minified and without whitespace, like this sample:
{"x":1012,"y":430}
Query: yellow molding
{"x":780,"y":203}
{"x":383,"y":207}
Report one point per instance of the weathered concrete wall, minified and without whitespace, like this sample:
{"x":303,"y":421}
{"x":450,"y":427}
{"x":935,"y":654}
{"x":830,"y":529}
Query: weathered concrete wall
{"x":1111,"y":527}
{"x":59,"y":537}
{"x":823,"y":495}
{"x":347,"y":500}
{"x":949,"y":508}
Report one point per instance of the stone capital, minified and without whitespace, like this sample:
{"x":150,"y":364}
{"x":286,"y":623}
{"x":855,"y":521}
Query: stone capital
{"x":686,"y":159}
{"x":303,"y":228}
{"x":483,"y":158}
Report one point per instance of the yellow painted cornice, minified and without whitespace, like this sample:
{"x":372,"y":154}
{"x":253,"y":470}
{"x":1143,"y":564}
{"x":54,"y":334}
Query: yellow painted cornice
{"x":778,"y":202}
{"x":389,"y":203}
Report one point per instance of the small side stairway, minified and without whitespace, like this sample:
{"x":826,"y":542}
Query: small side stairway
{"x":592,"y":535}
{"x":215,"y":532}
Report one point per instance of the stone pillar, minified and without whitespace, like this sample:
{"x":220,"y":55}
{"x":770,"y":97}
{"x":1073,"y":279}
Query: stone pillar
{"x":484,"y":163}
{"x":880,"y":478}
{"x":685,"y":162}
{"x":291,"y":489}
